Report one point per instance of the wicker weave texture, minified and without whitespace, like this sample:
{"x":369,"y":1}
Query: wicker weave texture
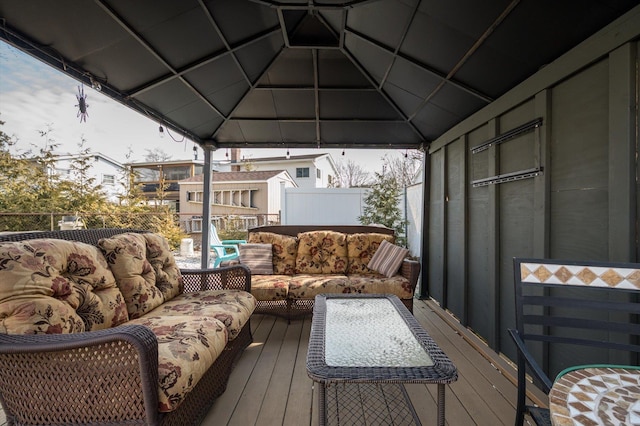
{"x":65,"y":379}
{"x":360,"y":404}
{"x":107,"y":377}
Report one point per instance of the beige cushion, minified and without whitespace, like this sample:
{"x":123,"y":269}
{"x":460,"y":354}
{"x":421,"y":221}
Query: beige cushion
{"x":285,"y":248}
{"x":308,"y":286}
{"x":187,"y":347}
{"x":231,"y":307}
{"x":50,"y":286}
{"x":168,"y":277}
{"x":126,"y":255}
{"x":321,"y":252}
{"x":360,"y":250}
{"x":270,"y":287}
{"x":257,"y":257}
{"x":387,"y":259}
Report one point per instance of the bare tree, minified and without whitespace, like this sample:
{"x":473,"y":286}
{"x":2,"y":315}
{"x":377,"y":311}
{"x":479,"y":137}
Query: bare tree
{"x":156,"y":155}
{"x":350,"y":175}
{"x":403,"y":169}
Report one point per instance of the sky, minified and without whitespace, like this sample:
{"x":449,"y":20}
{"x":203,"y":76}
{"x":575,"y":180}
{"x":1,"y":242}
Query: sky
{"x":35,"y":97}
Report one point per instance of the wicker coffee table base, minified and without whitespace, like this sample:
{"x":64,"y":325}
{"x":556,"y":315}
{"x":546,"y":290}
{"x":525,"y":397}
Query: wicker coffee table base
{"x":356,"y":404}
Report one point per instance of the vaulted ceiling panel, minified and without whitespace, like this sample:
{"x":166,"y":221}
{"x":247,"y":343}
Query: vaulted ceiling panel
{"x":368,"y":135}
{"x":384,"y":20}
{"x":336,"y":70}
{"x":255,"y":57}
{"x":270,"y":73}
{"x":172,"y":88}
{"x":294,"y":103}
{"x":294,"y":67}
{"x":421,"y":43}
{"x":375,"y":61}
{"x":350,"y":105}
{"x":294,"y":133}
{"x":256,"y":104}
{"x":220,"y":81}
{"x":242,"y":20}
{"x":432,"y":120}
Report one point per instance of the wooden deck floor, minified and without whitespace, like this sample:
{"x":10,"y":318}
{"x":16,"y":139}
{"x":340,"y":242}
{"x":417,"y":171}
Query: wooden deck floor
{"x":269,"y":385}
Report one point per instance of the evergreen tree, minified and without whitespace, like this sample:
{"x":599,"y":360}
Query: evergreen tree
{"x":382,"y":206}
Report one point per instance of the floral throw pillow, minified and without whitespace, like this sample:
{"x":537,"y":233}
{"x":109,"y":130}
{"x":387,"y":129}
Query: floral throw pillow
{"x":126,"y":255}
{"x":168,"y":277}
{"x":50,"y":286}
{"x":360,"y":248}
{"x":322,"y":252}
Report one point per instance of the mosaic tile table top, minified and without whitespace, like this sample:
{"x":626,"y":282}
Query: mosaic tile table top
{"x":596,"y":396}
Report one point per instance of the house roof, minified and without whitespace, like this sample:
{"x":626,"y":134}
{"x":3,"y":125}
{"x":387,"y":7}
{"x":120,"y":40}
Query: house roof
{"x":304,"y":73}
{"x":236,"y":176}
{"x":96,"y":155}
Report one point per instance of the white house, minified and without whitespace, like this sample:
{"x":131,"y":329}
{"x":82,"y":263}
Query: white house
{"x":308,"y":171}
{"x":105,"y":170}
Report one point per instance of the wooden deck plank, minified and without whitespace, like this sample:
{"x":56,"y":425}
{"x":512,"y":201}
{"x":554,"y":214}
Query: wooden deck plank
{"x":275,"y":400}
{"x":302,"y":404}
{"x":480,"y":387}
{"x":269,"y":385}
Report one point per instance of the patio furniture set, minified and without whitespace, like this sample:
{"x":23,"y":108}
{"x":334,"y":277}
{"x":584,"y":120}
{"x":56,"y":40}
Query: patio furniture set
{"x":298,"y":262}
{"x":101,"y":327}
{"x":569,"y":316}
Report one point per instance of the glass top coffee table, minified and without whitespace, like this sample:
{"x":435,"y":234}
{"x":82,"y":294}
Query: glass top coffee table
{"x":362,"y":348}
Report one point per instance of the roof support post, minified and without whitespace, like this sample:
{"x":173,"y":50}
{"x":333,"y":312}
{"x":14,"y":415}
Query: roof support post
{"x":206,"y":208}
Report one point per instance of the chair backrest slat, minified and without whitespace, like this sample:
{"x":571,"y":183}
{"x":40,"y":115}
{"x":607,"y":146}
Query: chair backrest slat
{"x":573,"y":303}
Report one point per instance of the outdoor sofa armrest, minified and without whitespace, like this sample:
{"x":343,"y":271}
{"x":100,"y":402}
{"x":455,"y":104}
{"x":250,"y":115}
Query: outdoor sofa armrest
{"x":107,"y":376}
{"x":410,"y":269}
{"x":229,"y":277}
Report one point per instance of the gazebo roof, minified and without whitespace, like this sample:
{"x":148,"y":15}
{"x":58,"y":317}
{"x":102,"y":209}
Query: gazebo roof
{"x":304,"y":73}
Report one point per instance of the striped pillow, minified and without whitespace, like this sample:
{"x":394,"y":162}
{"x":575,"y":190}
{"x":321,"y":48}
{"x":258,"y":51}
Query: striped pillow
{"x":257,"y":257}
{"x":387,"y":259}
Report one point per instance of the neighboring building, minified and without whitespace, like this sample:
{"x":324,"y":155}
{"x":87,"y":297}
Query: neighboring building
{"x":105,"y":170}
{"x":250,"y":198}
{"x":152,"y":174}
{"x":308,"y":171}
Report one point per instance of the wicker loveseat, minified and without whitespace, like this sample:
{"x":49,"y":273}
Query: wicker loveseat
{"x":101,"y":327}
{"x":310,"y":260}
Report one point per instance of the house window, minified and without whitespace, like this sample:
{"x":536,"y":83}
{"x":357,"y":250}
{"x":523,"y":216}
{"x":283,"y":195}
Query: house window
{"x":195,"y":196}
{"x":302,"y":172}
{"x":318,"y":173}
{"x":108,"y":179}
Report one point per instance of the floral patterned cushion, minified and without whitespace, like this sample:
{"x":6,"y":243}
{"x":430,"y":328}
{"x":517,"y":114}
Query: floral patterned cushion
{"x":126,"y":255}
{"x":285,"y":249}
{"x":231,"y":307}
{"x":370,"y":284}
{"x":270,"y":287}
{"x":160,"y":256}
{"x":307,"y":286}
{"x":53,"y":286}
{"x":321,"y":252}
{"x":187,"y":347}
{"x":360,"y":249}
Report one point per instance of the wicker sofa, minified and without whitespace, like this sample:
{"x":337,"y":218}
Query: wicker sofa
{"x":101,"y":327}
{"x":310,"y":260}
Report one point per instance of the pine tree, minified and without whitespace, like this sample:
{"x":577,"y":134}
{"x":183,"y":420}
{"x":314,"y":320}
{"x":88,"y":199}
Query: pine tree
{"x":382,"y":206}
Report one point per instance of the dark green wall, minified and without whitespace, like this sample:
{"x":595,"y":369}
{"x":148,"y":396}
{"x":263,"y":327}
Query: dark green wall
{"x":583,"y":205}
